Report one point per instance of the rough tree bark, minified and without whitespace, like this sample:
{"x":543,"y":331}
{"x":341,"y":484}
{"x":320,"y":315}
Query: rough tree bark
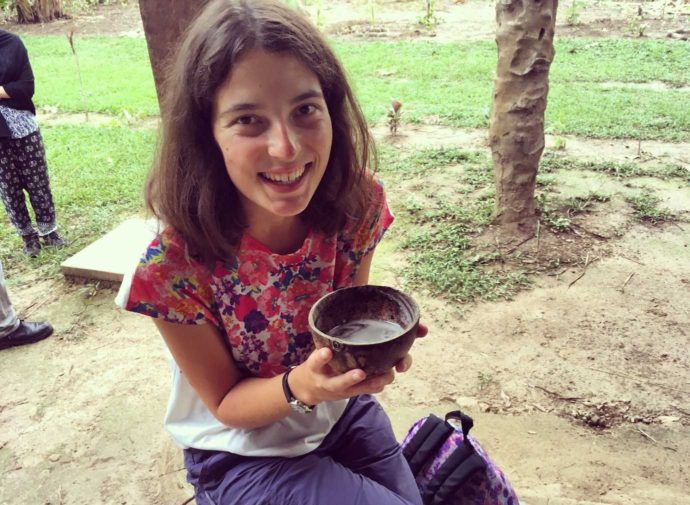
{"x":164,"y":23}
{"x":38,"y":11}
{"x":524,"y":38}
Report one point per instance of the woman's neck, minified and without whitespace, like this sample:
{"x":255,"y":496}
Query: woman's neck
{"x":280,"y":235}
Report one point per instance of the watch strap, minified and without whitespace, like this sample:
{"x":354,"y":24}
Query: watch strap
{"x":296,"y":404}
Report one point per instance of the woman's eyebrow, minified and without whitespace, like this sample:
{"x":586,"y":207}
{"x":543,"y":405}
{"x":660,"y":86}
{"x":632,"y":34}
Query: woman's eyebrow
{"x":248,"y":106}
{"x":312,"y":93}
{"x":239,"y":107}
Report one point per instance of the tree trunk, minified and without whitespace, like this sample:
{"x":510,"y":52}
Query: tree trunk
{"x":39,"y":11}
{"x":525,"y":51}
{"x":164,"y":24}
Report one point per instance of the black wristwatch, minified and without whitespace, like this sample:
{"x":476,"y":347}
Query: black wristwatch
{"x":295,"y":404}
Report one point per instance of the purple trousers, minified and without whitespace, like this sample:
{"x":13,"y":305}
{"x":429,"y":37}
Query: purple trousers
{"x":358,"y":463}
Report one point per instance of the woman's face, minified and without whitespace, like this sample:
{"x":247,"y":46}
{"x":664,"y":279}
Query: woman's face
{"x":272,"y":125}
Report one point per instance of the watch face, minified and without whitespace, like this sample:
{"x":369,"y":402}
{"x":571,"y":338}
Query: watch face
{"x":300,"y":407}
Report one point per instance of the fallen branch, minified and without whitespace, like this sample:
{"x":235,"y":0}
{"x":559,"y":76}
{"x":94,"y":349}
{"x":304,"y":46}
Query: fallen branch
{"x":538,"y":236}
{"x":188,"y":500}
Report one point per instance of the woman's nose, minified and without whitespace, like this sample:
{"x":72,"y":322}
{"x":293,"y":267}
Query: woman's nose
{"x":282,"y":142}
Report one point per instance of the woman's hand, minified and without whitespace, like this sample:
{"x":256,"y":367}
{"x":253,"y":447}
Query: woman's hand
{"x":314,"y":382}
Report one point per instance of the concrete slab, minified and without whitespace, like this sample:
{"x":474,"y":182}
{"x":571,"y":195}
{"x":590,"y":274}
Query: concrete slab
{"x":109,"y":257}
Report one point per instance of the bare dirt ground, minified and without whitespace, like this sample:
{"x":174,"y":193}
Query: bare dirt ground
{"x":580,"y":386}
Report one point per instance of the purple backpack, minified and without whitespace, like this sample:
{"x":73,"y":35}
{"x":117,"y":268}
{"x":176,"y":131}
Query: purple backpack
{"x":450,"y":466}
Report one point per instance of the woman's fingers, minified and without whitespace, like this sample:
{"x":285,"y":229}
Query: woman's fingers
{"x":404,"y":364}
{"x":372,"y":385}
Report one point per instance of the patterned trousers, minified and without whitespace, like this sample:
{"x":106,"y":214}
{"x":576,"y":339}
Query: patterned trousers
{"x":23,"y":168}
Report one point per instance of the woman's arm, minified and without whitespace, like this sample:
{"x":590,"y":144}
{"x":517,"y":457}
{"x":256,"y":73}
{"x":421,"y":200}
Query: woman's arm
{"x":206,"y":362}
{"x":252,"y":402}
{"x":21,"y":88}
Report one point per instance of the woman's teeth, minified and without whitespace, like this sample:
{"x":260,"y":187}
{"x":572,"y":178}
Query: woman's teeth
{"x":283,"y":178}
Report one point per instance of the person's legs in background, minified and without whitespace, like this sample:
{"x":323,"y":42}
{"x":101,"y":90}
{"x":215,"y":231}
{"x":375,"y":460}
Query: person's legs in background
{"x":34,"y":172}
{"x":12,"y":194}
{"x":13,"y":331}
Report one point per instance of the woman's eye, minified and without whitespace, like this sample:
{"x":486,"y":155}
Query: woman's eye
{"x":246,"y":120}
{"x":305,"y":110}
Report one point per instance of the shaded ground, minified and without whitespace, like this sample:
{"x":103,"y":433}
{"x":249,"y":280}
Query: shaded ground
{"x":580,"y":386}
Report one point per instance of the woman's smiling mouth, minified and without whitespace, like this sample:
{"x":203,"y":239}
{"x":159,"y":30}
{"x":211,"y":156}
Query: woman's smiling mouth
{"x":286,"y":178}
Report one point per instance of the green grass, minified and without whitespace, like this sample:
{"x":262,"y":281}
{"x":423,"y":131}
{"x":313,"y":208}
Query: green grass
{"x":449,"y":84}
{"x":96,"y":176}
{"x":115,"y":71}
{"x":436,"y":230}
{"x":646,"y":208}
{"x":551,"y":162}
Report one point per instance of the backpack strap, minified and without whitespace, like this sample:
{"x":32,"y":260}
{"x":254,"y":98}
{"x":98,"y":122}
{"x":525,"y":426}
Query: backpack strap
{"x":424,"y":445}
{"x":460,"y":465}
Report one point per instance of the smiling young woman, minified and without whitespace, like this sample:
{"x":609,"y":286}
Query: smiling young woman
{"x":264,"y":183}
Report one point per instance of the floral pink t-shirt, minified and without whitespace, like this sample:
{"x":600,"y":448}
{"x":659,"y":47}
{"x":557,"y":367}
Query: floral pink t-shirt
{"x":259,"y":300}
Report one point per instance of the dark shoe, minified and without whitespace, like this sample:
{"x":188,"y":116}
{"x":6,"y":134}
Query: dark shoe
{"x":32,"y":245}
{"x":54,"y":239}
{"x":26,"y":333}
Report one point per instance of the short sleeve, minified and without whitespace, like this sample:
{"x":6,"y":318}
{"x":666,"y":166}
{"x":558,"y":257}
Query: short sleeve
{"x":169,"y":285}
{"x":361,"y":237}
{"x":371,"y":229}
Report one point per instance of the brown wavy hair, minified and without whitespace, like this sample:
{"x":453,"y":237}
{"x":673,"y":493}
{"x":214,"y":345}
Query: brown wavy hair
{"x":188,"y":187}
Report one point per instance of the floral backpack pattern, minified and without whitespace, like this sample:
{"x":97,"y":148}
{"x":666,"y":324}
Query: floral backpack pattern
{"x":450,"y":466}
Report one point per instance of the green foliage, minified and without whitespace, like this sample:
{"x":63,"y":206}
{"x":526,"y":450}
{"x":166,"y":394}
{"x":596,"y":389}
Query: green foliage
{"x":646,"y":208}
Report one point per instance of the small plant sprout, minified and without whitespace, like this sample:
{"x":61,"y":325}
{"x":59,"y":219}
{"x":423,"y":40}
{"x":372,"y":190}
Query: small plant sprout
{"x":559,"y":144}
{"x":394,"y":116}
{"x":429,"y":18}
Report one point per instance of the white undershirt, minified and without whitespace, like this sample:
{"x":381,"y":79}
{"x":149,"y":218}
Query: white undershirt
{"x":191,"y":424}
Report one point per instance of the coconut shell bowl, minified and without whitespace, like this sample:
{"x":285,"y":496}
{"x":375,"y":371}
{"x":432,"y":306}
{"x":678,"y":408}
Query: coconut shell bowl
{"x":367,"y":327}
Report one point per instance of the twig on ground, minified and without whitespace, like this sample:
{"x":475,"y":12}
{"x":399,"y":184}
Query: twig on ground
{"x":685,"y":412}
{"x":188,"y":500}
{"x":584,"y":271}
{"x":556,"y":395}
{"x":630,"y":259}
{"x":172,"y":471}
{"x":626,"y":282}
{"x":538,"y":235}
{"x":649,"y":437}
{"x":513,"y":249}
{"x":637,"y":379}
{"x":590,"y":232}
